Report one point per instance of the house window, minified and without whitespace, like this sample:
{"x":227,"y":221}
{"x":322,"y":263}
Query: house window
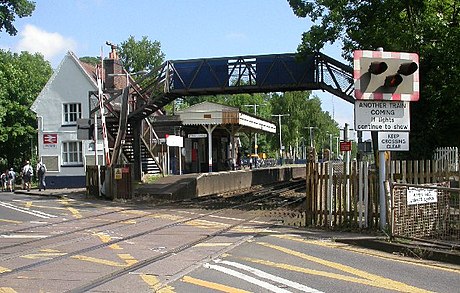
{"x":72,"y":112}
{"x":72,"y":153}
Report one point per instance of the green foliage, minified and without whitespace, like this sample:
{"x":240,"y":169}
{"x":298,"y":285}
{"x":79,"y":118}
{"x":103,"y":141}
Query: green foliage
{"x":140,"y":55}
{"x":22,"y":77}
{"x":304,"y":112}
{"x":9,"y":9}
{"x":427,"y":27}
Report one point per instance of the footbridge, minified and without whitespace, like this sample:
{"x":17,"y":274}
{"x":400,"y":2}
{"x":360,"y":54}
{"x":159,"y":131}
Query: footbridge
{"x":244,"y":74}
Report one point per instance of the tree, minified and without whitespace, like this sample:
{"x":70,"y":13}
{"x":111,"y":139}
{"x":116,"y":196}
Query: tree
{"x":427,"y":27}
{"x":140,"y":55}
{"x":9,"y":9}
{"x":22,"y":77}
{"x":310,"y":114}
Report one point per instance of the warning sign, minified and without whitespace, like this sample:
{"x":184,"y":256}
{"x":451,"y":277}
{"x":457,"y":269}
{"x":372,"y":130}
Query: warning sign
{"x":382,"y":115}
{"x":118,"y":173}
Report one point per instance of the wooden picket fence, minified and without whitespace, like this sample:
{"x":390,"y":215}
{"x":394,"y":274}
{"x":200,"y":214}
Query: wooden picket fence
{"x":341,"y":198}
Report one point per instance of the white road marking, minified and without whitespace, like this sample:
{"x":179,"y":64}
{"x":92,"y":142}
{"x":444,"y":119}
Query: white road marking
{"x":246,"y":278}
{"x":25,"y":236}
{"x":27,"y":211}
{"x":268,"y":276}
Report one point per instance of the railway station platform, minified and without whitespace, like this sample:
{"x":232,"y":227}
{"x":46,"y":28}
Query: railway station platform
{"x":176,"y":187}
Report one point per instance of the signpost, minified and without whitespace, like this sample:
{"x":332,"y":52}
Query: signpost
{"x":385,"y":83}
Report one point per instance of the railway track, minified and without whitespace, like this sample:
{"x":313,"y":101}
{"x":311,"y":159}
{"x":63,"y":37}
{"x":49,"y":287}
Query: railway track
{"x":234,"y":211}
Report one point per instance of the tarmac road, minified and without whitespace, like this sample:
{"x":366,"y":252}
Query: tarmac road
{"x":257,"y":256}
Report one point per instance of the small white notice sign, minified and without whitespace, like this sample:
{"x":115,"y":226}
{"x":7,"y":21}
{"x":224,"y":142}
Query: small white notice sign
{"x":393,"y":141}
{"x":421,"y":196}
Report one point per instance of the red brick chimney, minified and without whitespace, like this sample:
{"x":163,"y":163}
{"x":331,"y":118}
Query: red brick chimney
{"x":114,"y":74}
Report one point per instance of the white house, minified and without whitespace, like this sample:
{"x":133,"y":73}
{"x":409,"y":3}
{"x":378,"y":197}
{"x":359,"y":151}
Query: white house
{"x":63,"y":100}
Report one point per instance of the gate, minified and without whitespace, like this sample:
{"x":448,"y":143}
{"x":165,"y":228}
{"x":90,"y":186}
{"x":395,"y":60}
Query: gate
{"x":425,"y":211}
{"x":350,"y":199}
{"x":93,"y":175}
{"x":337,"y":198}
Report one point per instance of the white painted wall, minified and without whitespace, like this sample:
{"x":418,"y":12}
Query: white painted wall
{"x":69,"y":84}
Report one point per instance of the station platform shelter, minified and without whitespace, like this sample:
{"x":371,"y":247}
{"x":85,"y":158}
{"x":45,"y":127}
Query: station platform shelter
{"x":210,"y":135}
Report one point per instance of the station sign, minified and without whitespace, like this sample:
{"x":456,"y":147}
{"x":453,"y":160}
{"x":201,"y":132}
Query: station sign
{"x":393,"y":141}
{"x":380,"y":115}
{"x":175,"y":140}
{"x":197,"y":135}
{"x":50,"y":140}
{"x":345,"y":146}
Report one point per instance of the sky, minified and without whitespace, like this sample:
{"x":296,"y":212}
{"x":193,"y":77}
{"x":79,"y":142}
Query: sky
{"x":186,"y":29}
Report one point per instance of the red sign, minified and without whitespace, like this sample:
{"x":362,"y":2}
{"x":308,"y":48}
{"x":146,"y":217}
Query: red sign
{"x":50,"y":138}
{"x":345,"y":146}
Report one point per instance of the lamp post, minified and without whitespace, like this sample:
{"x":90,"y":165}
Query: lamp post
{"x":255,"y":114}
{"x":281,"y":142}
{"x":310,"y":128}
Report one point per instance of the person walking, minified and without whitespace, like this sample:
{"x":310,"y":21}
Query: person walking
{"x":41,"y":170}
{"x":11,"y":179}
{"x":4,"y":180}
{"x":27,"y":172}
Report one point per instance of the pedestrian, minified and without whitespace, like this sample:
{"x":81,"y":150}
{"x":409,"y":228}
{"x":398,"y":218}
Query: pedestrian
{"x":27,"y":173}
{"x":11,"y":179}
{"x":4,"y":180}
{"x":41,"y":170}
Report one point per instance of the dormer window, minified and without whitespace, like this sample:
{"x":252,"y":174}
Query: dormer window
{"x":71,"y":112}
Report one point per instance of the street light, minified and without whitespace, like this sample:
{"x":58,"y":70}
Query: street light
{"x":279,"y":123}
{"x":311,"y":134}
{"x":255,"y":133}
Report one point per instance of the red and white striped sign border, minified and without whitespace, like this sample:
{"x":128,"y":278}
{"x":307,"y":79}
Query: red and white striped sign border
{"x":358,"y":54}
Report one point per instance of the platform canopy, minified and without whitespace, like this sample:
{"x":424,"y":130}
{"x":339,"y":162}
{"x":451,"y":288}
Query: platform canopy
{"x":207,"y":113}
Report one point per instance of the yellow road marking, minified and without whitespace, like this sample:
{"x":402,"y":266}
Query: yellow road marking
{"x":10,"y":221}
{"x":213,"y":244}
{"x":75,"y":213}
{"x":134,"y":212}
{"x":4,"y":270}
{"x":129,"y":222}
{"x":50,"y":208}
{"x":45,"y":255}
{"x":154,"y":284}
{"x":99,"y":261}
{"x":129,"y":260}
{"x":166,"y":217}
{"x":28,"y":204}
{"x":369,"y":279}
{"x":206,"y":224}
{"x":7,"y":290}
{"x":106,"y":238}
{"x":49,"y":250}
{"x":212,"y":285}
{"x":363,"y":251}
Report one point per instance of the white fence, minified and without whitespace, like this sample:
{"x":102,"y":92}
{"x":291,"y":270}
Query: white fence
{"x":447,"y":158}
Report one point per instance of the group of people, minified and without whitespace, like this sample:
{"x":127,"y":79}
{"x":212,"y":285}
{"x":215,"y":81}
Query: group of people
{"x":8,"y":178}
